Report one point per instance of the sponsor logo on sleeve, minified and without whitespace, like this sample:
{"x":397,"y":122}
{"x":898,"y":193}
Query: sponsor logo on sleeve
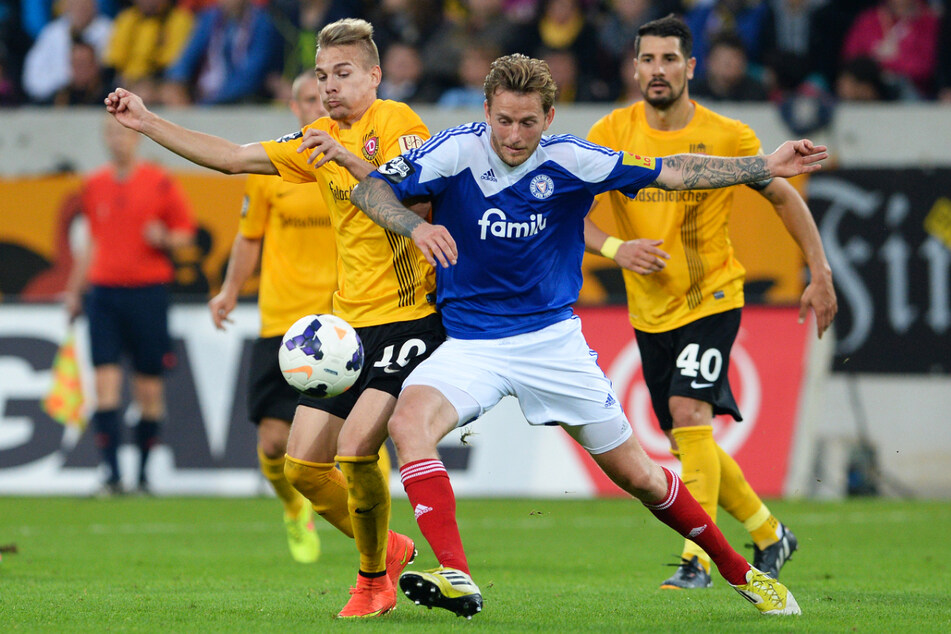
{"x":409,"y":142}
{"x":396,"y":170}
{"x":244,"y":206}
{"x":638,"y":160}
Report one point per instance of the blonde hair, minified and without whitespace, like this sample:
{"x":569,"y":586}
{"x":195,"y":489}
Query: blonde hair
{"x":522,"y":74}
{"x":351,"y":31}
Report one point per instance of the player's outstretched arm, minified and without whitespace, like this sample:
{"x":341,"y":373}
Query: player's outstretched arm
{"x":696,"y":171}
{"x":199,"y":148}
{"x":377,"y":200}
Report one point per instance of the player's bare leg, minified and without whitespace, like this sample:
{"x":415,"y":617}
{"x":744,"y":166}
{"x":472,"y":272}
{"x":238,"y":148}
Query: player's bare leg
{"x":423,"y":416}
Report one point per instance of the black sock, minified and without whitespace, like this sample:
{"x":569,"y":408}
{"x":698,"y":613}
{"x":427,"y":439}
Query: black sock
{"x":106,"y":424}
{"x":146,"y":437}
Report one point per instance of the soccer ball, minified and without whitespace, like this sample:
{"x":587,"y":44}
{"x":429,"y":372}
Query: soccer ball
{"x":321,"y":355}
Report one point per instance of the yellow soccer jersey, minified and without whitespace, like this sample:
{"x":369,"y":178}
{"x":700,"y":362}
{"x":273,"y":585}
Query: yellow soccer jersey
{"x":383,"y":277}
{"x":702,"y":276}
{"x":299,"y":256}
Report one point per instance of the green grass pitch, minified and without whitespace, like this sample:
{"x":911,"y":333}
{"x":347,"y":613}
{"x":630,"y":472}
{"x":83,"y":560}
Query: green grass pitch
{"x":173,"y":565}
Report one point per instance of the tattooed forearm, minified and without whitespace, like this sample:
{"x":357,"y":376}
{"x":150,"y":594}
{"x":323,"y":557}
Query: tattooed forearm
{"x":696,"y":171}
{"x":378,"y":201}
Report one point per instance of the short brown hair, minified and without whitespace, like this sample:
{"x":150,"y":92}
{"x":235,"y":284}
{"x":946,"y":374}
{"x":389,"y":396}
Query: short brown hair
{"x":522,"y":74}
{"x":351,"y":31}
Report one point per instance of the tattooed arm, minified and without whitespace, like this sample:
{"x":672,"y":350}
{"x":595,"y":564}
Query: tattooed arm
{"x":697,"y":171}
{"x":377,"y":200}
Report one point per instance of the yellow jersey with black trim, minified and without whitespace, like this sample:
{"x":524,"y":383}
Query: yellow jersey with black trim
{"x":299,"y":253}
{"x":702,"y":276}
{"x":383,"y":276}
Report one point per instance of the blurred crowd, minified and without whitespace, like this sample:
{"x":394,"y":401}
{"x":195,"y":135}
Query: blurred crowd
{"x":210,"y":52}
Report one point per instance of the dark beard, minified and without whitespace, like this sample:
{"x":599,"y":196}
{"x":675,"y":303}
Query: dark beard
{"x":663,"y":103}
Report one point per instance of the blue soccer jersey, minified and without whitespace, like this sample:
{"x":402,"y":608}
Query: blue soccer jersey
{"x":519,"y":230}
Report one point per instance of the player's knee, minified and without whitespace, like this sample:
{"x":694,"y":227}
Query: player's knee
{"x":305,"y":477}
{"x":400,"y":429}
{"x":688,"y":412}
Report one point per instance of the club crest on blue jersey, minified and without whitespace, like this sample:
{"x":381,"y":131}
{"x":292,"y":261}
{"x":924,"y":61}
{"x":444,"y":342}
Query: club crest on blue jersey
{"x":396,"y":169}
{"x":542,"y":186}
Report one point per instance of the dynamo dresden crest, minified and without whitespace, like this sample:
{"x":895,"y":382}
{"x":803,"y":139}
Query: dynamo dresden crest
{"x":371,"y":146}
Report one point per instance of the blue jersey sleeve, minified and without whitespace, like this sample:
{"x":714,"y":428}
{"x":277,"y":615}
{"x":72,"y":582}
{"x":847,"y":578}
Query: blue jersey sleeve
{"x":424,"y":171}
{"x":630,"y":174}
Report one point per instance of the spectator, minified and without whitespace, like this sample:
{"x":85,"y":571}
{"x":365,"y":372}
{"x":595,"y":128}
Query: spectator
{"x":799,"y":29}
{"x":728,"y":77}
{"x":197,"y":6}
{"x":136,"y":214}
{"x":298,"y":22}
{"x":146,"y":38}
{"x":520,"y":11}
{"x":802,"y":98}
{"x":227,"y":60}
{"x":9,"y":90}
{"x":14,"y":43}
{"x":88,"y":84}
{"x":476,"y":61}
{"x":412,"y":22}
{"x":47,"y":66}
{"x":618,"y":30}
{"x":483,"y":22}
{"x":572,"y":85}
{"x":861,"y":79}
{"x":630,"y":90}
{"x":707,"y":20}
{"x":563,"y":25}
{"x":902,"y":36}
{"x":35,"y":14}
{"x":403,"y":76}
{"x":944,"y":58}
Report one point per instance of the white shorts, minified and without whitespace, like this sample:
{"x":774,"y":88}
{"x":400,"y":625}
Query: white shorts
{"x":552,"y":372}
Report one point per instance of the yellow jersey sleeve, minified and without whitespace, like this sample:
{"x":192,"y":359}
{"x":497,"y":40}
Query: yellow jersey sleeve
{"x":291,"y":164}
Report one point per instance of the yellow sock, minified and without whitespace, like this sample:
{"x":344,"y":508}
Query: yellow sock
{"x":369,"y":502}
{"x":273,"y":470}
{"x":385,"y":465}
{"x":325,"y":487}
{"x":701,"y":475}
{"x":764,"y":533}
{"x":739,"y":499}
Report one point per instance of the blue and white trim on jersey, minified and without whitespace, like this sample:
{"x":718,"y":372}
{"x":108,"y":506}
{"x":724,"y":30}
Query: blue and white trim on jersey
{"x":519,"y":230}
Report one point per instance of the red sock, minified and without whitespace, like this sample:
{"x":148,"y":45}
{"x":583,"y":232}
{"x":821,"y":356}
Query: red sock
{"x":680,"y":511}
{"x":430,"y":493}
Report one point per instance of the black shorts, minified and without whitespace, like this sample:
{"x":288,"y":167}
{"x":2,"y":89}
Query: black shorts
{"x":691,"y":361}
{"x":269,"y":395}
{"x":391,"y":352}
{"x":131,"y":321}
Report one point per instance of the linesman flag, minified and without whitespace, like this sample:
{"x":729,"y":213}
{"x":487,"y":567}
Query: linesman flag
{"x":65,"y":402}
